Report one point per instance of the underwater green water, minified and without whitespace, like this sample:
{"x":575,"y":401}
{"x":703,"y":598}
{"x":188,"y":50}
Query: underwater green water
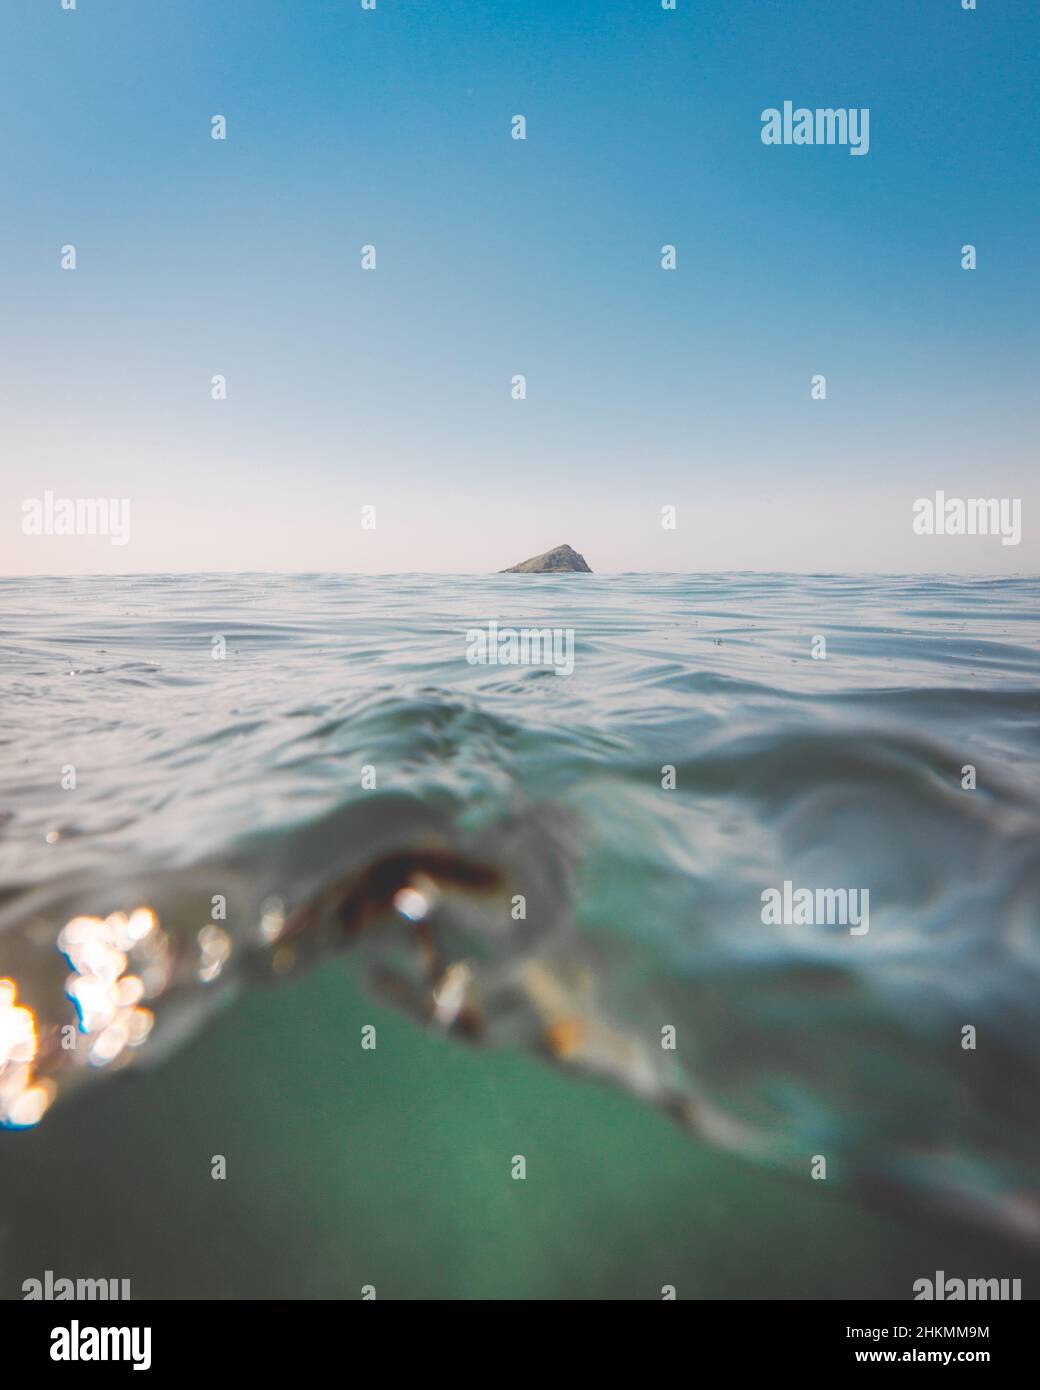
{"x":392,"y":1168}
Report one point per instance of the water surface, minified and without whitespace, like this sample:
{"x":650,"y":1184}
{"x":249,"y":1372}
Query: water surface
{"x":310,"y":747}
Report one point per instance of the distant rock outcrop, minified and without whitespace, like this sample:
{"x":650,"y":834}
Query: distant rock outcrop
{"x":562,"y":560}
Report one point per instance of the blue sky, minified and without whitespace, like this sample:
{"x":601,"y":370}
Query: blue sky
{"x":495,"y":257}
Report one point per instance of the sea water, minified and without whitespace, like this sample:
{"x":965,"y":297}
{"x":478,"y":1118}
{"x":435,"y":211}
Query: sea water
{"x":417,"y":916}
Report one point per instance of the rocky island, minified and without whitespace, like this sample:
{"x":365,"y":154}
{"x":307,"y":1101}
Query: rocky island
{"x":561,"y":560}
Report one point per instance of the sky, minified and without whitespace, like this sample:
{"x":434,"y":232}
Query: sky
{"x":392,"y":388}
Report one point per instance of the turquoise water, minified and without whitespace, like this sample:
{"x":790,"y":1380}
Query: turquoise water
{"x":225,"y":733}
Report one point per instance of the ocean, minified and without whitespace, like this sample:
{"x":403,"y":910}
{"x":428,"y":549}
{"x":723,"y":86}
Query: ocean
{"x":352,"y":944}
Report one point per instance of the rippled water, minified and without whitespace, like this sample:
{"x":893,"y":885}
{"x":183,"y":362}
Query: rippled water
{"x":246,"y":774}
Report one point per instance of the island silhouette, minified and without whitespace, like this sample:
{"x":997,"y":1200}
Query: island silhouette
{"x":560,"y":560}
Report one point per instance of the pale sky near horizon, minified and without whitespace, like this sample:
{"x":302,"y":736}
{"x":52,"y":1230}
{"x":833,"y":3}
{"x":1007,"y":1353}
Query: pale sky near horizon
{"x":392,"y":387}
